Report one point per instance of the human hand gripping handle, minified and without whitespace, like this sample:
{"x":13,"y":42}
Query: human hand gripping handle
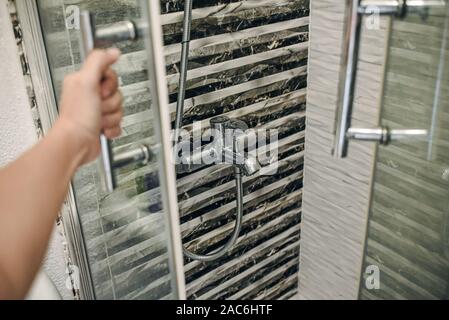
{"x":92,"y":104}
{"x":33,"y":188}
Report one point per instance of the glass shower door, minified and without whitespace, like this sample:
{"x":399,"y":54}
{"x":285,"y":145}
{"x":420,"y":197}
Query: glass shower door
{"x":407,"y":249}
{"x":130,"y":246}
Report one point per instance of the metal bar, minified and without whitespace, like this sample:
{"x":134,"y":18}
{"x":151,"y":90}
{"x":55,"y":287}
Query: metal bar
{"x":407,"y":134}
{"x":382,"y":7}
{"x":87,"y":45}
{"x":162,"y":123}
{"x":374,"y":135}
{"x":188,"y":5}
{"x":385,"y":136}
{"x":116,"y":32}
{"x":438,"y":88}
{"x":141,"y":155}
{"x":398,"y":7}
{"x":349,"y":70}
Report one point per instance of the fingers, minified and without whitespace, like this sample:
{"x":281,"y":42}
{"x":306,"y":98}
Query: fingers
{"x":98,"y":62}
{"x":113,"y":103}
{"x":110,"y":84}
{"x":111,"y":125}
{"x":112,"y":110}
{"x":112,"y":114}
{"x":113,"y":133}
{"x":96,"y":70}
{"x":112,"y":120}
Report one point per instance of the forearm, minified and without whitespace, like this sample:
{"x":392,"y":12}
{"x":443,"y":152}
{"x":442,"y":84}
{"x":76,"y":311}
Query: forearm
{"x":31,"y":193}
{"x":33,"y":188}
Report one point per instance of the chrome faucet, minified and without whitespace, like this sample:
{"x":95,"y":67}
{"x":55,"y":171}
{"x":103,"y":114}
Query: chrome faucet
{"x":228,"y":145}
{"x":227,"y":148}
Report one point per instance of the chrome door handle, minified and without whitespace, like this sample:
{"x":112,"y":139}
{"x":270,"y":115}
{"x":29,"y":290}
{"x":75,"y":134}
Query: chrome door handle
{"x":357,"y":9}
{"x":90,"y":37}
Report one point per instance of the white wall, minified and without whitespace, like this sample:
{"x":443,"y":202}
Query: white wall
{"x":17,"y":131}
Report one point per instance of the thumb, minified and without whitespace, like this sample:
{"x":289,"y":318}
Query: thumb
{"x":99,"y":61}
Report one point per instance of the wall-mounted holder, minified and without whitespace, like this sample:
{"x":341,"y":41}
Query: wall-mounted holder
{"x":357,"y":9}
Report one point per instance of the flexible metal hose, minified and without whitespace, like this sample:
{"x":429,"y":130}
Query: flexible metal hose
{"x":235,"y":235}
{"x":178,"y":125}
{"x":184,"y":64}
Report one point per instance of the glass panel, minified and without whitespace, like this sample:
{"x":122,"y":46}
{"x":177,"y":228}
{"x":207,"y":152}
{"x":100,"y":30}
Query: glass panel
{"x":408,"y":239}
{"x":125,"y":232}
{"x":248,"y":61}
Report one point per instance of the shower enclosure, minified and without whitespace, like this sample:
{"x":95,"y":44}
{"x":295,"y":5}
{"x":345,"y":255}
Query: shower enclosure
{"x":134,"y":229}
{"x":407,"y":246}
{"x":247,"y":62}
{"x":247,"y":67}
{"x":408,"y":232}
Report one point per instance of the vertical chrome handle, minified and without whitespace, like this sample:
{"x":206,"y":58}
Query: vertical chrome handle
{"x":357,"y":9}
{"x":87,"y":30}
{"x":90,"y":36}
{"x":349,"y":71}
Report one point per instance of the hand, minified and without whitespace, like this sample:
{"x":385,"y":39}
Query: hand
{"x":91,"y":103}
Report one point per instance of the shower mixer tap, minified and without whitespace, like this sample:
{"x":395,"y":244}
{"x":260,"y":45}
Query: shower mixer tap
{"x":226,"y":148}
{"x":228,"y":145}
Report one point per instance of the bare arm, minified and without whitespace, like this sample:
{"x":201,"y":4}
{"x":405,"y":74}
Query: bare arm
{"x":33,"y":188}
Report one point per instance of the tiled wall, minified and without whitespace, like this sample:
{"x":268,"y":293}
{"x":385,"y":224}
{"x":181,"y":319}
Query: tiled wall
{"x":248,"y":60}
{"x":337,"y":192}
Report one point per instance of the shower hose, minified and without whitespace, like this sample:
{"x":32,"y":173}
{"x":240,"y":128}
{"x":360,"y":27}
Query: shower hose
{"x":178,"y":125}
